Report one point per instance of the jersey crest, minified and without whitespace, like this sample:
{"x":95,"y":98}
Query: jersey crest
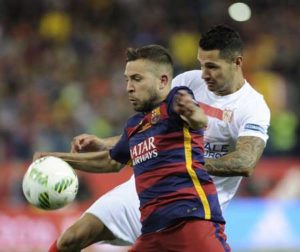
{"x":155,"y":116}
{"x":227,"y":115}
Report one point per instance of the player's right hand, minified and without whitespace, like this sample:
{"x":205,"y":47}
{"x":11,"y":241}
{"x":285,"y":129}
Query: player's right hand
{"x":87,"y":143}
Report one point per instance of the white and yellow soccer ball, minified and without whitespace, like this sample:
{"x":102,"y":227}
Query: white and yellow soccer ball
{"x":50,"y":183}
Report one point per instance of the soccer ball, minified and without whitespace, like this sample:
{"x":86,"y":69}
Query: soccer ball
{"x":50,"y":183}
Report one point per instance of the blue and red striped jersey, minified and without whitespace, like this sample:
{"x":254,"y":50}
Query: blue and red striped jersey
{"x":167,"y":159}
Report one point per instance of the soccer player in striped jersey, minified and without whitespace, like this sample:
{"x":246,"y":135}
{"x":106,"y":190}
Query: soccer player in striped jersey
{"x":164,"y":145}
{"x":234,"y":141}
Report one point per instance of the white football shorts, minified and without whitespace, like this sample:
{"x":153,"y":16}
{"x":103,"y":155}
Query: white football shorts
{"x":118,"y":209}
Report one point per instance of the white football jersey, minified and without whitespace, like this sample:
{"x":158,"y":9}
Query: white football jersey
{"x":243,"y":113}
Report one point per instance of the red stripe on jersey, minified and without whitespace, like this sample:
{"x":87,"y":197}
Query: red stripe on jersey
{"x":148,"y":179}
{"x":164,"y":111}
{"x":197,"y":141}
{"x":209,"y":189}
{"x":171,"y":141}
{"x":196,"y":165}
{"x":164,"y":200}
{"x":212,"y":111}
{"x":148,"y":120}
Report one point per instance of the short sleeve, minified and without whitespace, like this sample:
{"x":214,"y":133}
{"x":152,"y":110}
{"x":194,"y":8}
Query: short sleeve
{"x":120,"y":152}
{"x":191,"y":79}
{"x":256,"y":120}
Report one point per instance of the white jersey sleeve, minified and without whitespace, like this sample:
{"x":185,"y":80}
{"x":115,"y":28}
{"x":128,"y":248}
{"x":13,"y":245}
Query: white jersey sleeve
{"x":255,"y":119}
{"x":191,"y":79}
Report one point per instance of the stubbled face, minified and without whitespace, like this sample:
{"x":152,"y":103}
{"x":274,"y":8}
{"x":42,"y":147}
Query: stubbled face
{"x":142,"y":84}
{"x":218,"y":73}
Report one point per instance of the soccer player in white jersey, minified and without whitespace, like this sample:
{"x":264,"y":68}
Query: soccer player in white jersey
{"x":234,"y":141}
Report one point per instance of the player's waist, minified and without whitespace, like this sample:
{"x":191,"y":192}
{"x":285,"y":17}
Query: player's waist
{"x":174,"y":213}
{"x":180,"y":205}
{"x":161,"y":184}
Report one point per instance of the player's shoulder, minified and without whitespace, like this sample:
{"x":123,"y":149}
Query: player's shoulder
{"x":189,"y":78}
{"x":252,"y":104}
{"x":253,"y":96}
{"x":134,"y":120}
{"x":192,"y":74}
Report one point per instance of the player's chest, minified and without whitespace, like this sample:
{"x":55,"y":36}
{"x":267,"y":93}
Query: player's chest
{"x":155,"y":133}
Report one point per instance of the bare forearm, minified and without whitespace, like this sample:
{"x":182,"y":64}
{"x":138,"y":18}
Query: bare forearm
{"x":240,"y":162}
{"x":95,"y":162}
{"x":110,"y":142}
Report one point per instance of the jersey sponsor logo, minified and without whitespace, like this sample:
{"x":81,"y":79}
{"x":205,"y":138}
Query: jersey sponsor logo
{"x":255,"y":127}
{"x":143,"y":151}
{"x":213,"y":150}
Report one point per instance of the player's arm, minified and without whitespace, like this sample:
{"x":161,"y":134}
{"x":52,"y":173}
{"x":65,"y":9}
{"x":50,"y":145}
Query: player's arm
{"x":240,"y":162}
{"x":88,"y":143}
{"x":95,"y":162}
{"x":189,"y":110}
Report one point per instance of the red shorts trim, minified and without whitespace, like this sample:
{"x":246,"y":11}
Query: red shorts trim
{"x":187,"y":236}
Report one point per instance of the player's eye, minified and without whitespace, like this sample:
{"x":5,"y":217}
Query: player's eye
{"x":212,"y":66}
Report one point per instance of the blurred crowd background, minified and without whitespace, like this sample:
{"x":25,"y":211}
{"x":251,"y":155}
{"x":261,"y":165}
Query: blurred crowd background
{"x":61,"y":64}
{"x":61,"y":74}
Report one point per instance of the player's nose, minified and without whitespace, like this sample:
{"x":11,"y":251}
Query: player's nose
{"x":205,"y":74}
{"x":129,"y":87}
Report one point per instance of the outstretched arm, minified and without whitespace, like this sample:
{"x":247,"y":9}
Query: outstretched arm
{"x":95,"y":162}
{"x":240,"y":162}
{"x":88,"y":143}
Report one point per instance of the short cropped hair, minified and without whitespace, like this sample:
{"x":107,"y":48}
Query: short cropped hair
{"x":155,"y":53}
{"x":222,"y":38}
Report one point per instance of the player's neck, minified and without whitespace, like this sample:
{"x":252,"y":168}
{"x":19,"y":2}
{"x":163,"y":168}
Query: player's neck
{"x":236,"y":84}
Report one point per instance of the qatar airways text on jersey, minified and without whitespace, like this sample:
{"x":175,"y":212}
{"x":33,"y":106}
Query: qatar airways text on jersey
{"x":143,"y":151}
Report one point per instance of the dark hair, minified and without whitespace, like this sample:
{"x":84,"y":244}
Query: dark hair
{"x":223,"y":38}
{"x":154,"y":53}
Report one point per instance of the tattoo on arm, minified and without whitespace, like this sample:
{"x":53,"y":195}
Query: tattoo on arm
{"x":240,"y":162}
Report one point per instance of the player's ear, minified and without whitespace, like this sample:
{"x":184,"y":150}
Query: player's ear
{"x":238,"y":61}
{"x":164,"y":80}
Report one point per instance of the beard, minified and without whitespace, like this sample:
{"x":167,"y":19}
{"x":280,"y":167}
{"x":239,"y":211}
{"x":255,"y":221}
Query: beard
{"x":149,"y":104}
